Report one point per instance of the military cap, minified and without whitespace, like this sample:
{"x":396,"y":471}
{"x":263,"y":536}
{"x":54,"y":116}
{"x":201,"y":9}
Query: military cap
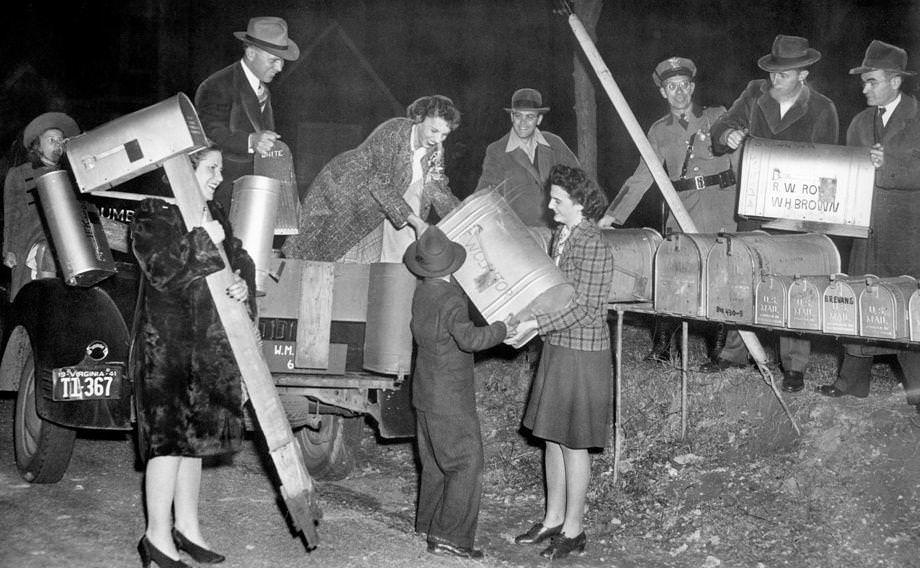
{"x":672,"y":67}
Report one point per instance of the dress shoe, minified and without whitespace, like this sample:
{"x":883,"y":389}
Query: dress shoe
{"x":793,"y":381}
{"x":446,"y":549}
{"x":198,"y":553}
{"x":537,"y":533}
{"x":150,"y":553}
{"x":720,"y":365}
{"x":834,"y":392}
{"x":561,"y":546}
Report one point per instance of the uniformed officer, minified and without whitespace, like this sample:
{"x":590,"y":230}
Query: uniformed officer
{"x":704,"y":182}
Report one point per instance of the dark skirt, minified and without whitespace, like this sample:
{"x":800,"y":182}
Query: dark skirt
{"x":571,"y":397}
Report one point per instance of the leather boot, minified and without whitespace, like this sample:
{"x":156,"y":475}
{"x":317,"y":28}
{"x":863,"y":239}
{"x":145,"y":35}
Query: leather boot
{"x":718,"y":342}
{"x":662,"y":338}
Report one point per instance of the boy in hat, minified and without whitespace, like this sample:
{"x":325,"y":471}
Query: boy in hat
{"x":705,"y":182}
{"x":443,"y":394}
{"x":522,"y":159}
{"x":25,"y":246}
{"x":781,"y":108}
{"x":234,"y":103}
{"x":889,"y":129}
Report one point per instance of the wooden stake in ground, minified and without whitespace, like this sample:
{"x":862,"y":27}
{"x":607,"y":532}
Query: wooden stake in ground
{"x":296,"y":484}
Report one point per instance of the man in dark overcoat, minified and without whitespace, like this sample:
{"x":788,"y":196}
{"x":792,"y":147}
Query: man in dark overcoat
{"x":889,"y":129}
{"x":519,"y":162}
{"x":234,"y":104}
{"x":781,"y":108}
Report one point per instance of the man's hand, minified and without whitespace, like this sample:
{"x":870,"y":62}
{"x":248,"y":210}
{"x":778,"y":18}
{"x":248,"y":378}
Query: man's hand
{"x":10,"y":259}
{"x":263,"y":141}
{"x":523,"y":329}
{"x":877,"y":155}
{"x":734,"y":138}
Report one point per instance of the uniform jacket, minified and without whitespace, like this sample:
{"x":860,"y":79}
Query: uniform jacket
{"x":893,"y":245}
{"x":587,"y":263}
{"x":359,"y":189}
{"x":713,"y":208}
{"x":443,"y":379}
{"x":812,"y":118}
{"x":229,"y":112}
{"x":523,"y":182}
{"x":190,"y":393}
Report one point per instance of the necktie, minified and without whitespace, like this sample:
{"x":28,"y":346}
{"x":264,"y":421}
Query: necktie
{"x":683,"y":121}
{"x":262,"y":94}
{"x":879,"y":124}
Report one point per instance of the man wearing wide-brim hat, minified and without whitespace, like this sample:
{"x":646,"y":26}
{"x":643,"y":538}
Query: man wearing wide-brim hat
{"x":781,"y":108}
{"x":889,"y":130}
{"x":519,"y":162}
{"x":234,"y":104}
{"x":25,"y":246}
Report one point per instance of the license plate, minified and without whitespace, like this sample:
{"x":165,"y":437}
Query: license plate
{"x":86,"y":383}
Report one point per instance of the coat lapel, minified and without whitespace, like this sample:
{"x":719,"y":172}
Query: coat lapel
{"x":770,"y":110}
{"x":248,"y":99}
{"x":903,"y":113}
{"x":521,"y":158}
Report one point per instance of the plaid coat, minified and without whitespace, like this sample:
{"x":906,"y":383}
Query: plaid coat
{"x":588,"y":264}
{"x":359,"y":189}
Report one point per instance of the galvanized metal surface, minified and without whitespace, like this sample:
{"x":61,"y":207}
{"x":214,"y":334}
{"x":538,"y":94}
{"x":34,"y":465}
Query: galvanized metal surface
{"x":680,"y":275}
{"x":388,"y":338}
{"x":252,"y":216}
{"x":81,"y":248}
{"x":633,"y":263}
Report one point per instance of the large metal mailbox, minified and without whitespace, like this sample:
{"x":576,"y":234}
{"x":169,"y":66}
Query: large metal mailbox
{"x":633,"y":263}
{"x":680,"y":273}
{"x":883,"y":306}
{"x":840,"y":305}
{"x":913,"y":315}
{"x":135,"y":143}
{"x":737,"y":262}
{"x":807,"y":187}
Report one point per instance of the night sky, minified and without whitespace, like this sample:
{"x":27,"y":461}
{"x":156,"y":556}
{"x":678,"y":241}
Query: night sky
{"x":367,"y":60}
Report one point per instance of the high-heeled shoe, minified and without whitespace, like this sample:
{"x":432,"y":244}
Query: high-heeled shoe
{"x":198,"y":554}
{"x":150,"y":553}
{"x":561,"y":546}
{"x":537,"y":534}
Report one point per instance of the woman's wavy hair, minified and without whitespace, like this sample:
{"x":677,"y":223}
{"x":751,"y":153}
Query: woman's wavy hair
{"x":581,"y":189}
{"x":196,"y":156}
{"x":435,"y":106}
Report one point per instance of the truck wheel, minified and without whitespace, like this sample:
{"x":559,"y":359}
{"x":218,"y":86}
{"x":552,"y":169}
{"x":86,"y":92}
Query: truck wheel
{"x":43,"y":449}
{"x":326,"y":450}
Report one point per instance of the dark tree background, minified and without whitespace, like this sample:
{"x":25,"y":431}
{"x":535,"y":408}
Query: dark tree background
{"x":364,"y":61}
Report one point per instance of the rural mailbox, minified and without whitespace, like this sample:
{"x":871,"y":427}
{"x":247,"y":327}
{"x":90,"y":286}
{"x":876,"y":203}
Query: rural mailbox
{"x":807,"y":187}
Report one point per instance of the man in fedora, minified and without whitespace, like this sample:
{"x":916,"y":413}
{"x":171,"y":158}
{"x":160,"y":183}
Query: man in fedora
{"x":25,"y":246}
{"x":234,"y":104}
{"x":889,"y":130}
{"x":520,"y":161}
{"x":781,"y":108}
{"x":705,"y":182}
{"x":444,"y":397}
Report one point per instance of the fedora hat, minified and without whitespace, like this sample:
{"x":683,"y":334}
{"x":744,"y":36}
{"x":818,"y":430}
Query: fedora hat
{"x":884,"y":56}
{"x":270,"y":34}
{"x":46,"y":121}
{"x":433,"y":254}
{"x":788,"y":52}
{"x":527,"y":99}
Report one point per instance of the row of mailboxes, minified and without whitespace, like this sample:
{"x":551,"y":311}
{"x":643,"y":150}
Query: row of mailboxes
{"x":837,"y":304}
{"x":716,"y":275}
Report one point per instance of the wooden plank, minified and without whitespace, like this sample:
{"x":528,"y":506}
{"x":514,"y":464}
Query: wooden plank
{"x":315,"y":316}
{"x":349,"y":293}
{"x":296,"y":484}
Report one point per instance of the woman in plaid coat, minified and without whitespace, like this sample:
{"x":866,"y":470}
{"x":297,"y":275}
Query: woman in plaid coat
{"x":570,"y":399}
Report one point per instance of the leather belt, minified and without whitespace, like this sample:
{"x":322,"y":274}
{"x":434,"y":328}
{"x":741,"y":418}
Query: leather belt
{"x":721,"y":179}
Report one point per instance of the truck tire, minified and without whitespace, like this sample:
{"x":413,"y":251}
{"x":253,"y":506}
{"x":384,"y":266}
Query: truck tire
{"x":326,"y":450}
{"x":43,"y":449}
